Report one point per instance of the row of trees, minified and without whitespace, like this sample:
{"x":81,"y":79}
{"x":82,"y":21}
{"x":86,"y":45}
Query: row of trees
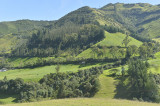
{"x":112,"y":29}
{"x":147,"y":49}
{"x":84,"y":83}
{"x":99,"y":54}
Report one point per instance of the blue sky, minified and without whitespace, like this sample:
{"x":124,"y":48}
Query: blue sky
{"x":11,"y":10}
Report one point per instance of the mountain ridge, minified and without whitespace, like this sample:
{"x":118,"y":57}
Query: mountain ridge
{"x":140,"y":20}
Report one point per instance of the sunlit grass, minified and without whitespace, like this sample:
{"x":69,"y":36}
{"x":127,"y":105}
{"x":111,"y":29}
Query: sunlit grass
{"x":87,"y":102}
{"x":115,"y":39}
{"x":36,"y":73}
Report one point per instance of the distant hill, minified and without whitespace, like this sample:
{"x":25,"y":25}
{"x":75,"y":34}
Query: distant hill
{"x":21,"y":26}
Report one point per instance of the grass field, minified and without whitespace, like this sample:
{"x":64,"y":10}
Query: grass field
{"x":29,"y":74}
{"x":37,"y":73}
{"x":87,"y":102}
{"x":115,"y":39}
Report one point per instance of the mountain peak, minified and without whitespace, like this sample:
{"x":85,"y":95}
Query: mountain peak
{"x":123,"y":5}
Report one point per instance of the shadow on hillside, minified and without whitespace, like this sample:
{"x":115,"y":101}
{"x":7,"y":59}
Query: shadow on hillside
{"x":15,"y":58}
{"x":5,"y":96}
{"x":121,"y":90}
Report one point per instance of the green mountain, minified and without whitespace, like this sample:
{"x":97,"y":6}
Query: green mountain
{"x":142,"y":18}
{"x":82,"y":28}
{"x":79,"y":47}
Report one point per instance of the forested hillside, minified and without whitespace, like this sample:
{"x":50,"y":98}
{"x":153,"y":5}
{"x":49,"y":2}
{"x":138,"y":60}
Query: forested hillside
{"x":64,"y":58}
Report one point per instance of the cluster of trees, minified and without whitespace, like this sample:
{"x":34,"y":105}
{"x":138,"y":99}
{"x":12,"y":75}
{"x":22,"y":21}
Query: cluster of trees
{"x":147,"y":49}
{"x":99,"y":54}
{"x":140,"y":38}
{"x":141,"y":84}
{"x":69,"y":38}
{"x":105,"y":52}
{"x":157,"y":78}
{"x":112,"y":29}
{"x":84,"y":83}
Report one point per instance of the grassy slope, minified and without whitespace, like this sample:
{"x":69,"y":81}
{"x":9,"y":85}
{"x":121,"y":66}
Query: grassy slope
{"x":142,"y":14}
{"x":7,"y":42}
{"x":152,"y":29}
{"x":155,"y":64}
{"x":111,"y":39}
{"x":115,"y":39}
{"x":107,"y":86}
{"x":157,"y":40}
{"x":9,"y":31}
{"x":34,"y":74}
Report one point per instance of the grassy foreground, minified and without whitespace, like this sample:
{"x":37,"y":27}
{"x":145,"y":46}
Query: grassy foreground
{"x":87,"y":102}
{"x":105,"y":97}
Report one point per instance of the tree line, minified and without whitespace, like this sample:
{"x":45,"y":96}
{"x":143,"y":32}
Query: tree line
{"x":83,"y":83}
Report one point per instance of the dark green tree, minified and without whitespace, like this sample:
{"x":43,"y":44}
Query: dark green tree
{"x":57,"y":68}
{"x":141,"y":84}
{"x":123,"y":71}
{"x":126,"y":41}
